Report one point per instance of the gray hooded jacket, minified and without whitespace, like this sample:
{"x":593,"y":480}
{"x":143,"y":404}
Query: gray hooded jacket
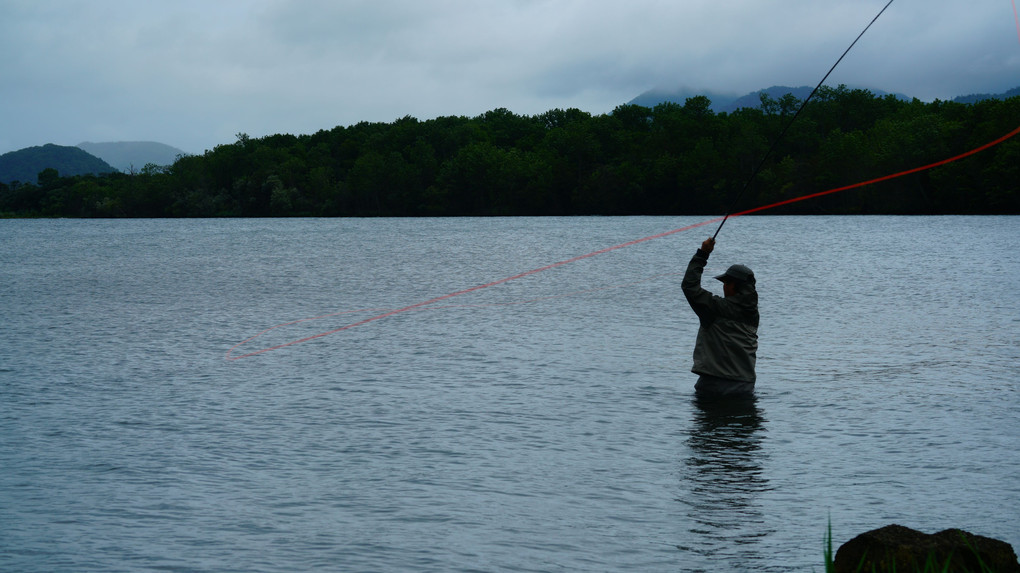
{"x":727,"y":342}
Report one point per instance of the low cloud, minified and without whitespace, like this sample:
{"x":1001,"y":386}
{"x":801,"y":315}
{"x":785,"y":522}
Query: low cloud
{"x":193,"y":73}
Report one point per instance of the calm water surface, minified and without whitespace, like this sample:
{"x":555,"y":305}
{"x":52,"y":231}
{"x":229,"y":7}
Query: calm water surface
{"x":543,"y":424}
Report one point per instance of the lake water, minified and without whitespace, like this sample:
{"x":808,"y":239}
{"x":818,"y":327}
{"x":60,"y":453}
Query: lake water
{"x":542,"y":424}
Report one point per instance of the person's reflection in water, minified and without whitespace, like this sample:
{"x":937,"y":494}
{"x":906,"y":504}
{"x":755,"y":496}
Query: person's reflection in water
{"x":721,"y":480}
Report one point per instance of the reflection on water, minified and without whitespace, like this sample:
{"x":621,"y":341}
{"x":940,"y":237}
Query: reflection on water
{"x":722,"y":479}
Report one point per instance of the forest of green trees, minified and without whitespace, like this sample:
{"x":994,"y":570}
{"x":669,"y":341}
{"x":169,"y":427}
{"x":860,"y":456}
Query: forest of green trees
{"x":672,"y":159}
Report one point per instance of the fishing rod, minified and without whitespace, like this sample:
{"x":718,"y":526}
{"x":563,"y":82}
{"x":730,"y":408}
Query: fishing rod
{"x":761,"y":164}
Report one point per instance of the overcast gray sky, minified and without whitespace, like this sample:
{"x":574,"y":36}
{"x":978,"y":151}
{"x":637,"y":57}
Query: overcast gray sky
{"x":193,"y":73}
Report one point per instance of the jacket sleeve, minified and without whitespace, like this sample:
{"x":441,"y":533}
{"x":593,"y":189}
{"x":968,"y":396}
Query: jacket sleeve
{"x":701,"y":301}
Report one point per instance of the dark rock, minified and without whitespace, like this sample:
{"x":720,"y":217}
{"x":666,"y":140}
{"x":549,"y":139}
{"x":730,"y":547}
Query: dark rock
{"x":898,"y":548}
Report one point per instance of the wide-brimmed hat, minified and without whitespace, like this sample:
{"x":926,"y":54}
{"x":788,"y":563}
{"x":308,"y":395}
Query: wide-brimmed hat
{"x":737,"y":273}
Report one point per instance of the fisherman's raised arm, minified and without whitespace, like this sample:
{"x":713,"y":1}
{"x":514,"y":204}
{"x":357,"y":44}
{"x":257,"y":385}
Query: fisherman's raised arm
{"x":699,"y":298}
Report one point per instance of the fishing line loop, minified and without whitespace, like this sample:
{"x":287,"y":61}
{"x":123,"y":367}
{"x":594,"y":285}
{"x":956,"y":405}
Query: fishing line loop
{"x":385,"y":313}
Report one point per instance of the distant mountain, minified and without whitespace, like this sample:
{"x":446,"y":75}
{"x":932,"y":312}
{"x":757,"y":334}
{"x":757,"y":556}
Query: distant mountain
{"x":129,"y":156}
{"x":720,"y":102}
{"x":753,"y":99}
{"x":24,"y":165}
{"x":974,"y":98}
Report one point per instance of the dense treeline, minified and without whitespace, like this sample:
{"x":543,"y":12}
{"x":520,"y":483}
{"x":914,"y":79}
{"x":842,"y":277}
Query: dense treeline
{"x":670,"y":159}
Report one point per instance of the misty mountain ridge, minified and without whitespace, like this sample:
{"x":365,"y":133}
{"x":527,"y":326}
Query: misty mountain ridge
{"x":728,"y":102}
{"x":132,"y":156}
{"x":24,"y":165}
{"x":974,"y":98}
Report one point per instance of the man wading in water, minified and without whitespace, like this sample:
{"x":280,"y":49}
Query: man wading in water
{"x":727,"y":344}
